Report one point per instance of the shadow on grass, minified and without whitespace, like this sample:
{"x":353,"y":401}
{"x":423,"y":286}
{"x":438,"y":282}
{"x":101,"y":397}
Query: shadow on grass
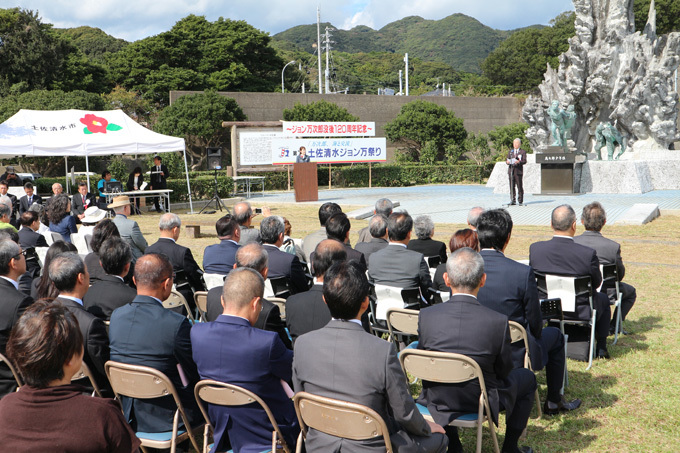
{"x":635,"y":341}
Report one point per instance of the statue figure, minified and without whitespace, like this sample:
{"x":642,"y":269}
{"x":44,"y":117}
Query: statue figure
{"x":556,"y":115}
{"x":569,"y":120}
{"x":606,"y":134}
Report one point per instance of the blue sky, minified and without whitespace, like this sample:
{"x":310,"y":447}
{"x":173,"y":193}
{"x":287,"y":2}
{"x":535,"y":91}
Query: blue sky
{"x":136,"y":19}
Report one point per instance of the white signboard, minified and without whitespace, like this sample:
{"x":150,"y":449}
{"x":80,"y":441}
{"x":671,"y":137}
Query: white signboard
{"x":328,"y":129}
{"x":255,"y":148}
{"x":284,"y":151}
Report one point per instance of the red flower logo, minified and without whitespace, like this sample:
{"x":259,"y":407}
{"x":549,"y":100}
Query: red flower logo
{"x":94,"y":124}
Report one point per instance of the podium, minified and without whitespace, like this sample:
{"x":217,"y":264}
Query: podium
{"x":306,"y":182}
{"x":558,"y":170}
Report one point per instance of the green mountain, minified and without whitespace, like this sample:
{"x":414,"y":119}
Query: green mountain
{"x":457,"y":40}
{"x":93,"y":42}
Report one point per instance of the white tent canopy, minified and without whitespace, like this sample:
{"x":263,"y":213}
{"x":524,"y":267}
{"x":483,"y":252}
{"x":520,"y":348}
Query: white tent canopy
{"x":45,"y":133}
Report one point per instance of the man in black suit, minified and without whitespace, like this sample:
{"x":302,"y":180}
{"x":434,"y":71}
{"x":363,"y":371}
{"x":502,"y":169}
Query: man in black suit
{"x":516,"y":159}
{"x":81,"y":201}
{"x":14,"y":302}
{"x":562,"y":256}
{"x":70,"y":277}
{"x":220,"y":258}
{"x":424,"y":228}
{"x":511,"y":290}
{"x":28,"y":234}
{"x":383,"y":207}
{"x":158,"y":181}
{"x":307,"y":311}
{"x":252,"y":256}
{"x":337,"y":227}
{"x":378,"y":229}
{"x":111,"y":291}
{"x":281,"y":264}
{"x":181,"y":257}
{"x":608,"y":252}
{"x":464,"y":326}
{"x":27,"y":200}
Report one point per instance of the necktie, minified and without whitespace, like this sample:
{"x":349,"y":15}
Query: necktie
{"x":30,"y":200}
{"x":83,"y":200}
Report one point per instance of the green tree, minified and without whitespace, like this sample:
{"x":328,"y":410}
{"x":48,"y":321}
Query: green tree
{"x":520,"y":61}
{"x":419,"y":122}
{"x":503,"y":136}
{"x":133,"y":104}
{"x":667,"y":15}
{"x":92,"y":42}
{"x":198,"y":119}
{"x":318,"y":111}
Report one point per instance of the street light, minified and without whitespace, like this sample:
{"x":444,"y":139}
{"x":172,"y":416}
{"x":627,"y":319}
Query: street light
{"x":283,"y":90}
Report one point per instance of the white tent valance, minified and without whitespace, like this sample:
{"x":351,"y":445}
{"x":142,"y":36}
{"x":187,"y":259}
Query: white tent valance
{"x":45,"y":133}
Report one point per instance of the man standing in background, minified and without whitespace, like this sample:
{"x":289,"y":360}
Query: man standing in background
{"x":516,"y":159}
{"x":159,"y":175}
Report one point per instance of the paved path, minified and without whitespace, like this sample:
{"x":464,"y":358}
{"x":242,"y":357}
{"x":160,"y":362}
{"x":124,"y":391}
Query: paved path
{"x":450,"y":203}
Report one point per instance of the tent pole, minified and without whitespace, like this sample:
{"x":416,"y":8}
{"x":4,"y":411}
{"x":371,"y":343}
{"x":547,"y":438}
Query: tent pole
{"x":87,"y":169}
{"x":186,"y":172}
{"x":66,"y":165}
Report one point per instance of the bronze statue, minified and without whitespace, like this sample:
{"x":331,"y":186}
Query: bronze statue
{"x":606,"y":134}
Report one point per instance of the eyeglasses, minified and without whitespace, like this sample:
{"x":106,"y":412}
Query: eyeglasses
{"x":21,"y":253}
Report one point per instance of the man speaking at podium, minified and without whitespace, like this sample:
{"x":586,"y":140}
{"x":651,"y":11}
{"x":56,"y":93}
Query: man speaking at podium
{"x":516,"y":159}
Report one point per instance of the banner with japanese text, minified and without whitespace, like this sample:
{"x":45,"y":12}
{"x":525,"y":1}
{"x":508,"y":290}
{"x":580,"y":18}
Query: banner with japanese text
{"x":326,"y":129}
{"x":330,"y":150}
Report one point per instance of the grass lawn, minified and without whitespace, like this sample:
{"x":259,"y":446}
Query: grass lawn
{"x":630,"y":403}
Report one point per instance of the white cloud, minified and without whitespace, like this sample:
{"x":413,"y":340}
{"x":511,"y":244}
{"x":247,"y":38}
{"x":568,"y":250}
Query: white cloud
{"x":360,"y":18}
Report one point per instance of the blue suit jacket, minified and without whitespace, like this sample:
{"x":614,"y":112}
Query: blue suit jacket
{"x":230,"y":350}
{"x":144,"y":333}
{"x":220,"y":258}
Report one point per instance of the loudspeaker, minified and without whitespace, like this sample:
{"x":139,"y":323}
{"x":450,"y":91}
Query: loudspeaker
{"x":214,"y":156}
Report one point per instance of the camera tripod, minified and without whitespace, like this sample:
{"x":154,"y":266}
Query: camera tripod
{"x":216,"y":198}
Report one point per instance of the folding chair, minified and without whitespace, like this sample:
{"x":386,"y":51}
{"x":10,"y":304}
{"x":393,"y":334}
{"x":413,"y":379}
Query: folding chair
{"x":551,"y":310}
{"x":386,"y":297}
{"x":17,"y":376}
{"x":432,"y":263}
{"x":176,"y":300}
{"x":88,"y":240}
{"x":201,"y":300}
{"x":136,"y":381}
{"x":519,"y":333}
{"x":611,"y":275}
{"x":56,"y":236}
{"x":577,"y":286}
{"x":79,"y":242}
{"x":308,"y":275}
{"x":84,"y":372}
{"x":213,"y":280}
{"x":338,"y":418}
{"x":401,"y":322}
{"x":281,"y":303}
{"x":223,"y":394}
{"x":451,"y":368}
{"x":277,"y":287}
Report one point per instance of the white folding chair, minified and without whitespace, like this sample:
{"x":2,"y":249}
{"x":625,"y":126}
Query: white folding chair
{"x":213,"y":280}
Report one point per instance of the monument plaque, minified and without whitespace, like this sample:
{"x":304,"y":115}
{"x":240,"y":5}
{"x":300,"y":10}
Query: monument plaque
{"x":557,"y":171}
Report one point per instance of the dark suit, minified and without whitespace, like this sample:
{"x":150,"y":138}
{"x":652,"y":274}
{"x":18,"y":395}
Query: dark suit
{"x":352,"y":255}
{"x":181,"y":259}
{"x":269,"y":318}
{"x":306,"y":312}
{"x":29,"y":238}
{"x":516,"y":173}
{"x":370,"y":247}
{"x":158,"y":182}
{"x":12,"y":306}
{"x":24,"y":204}
{"x":342,"y":361}
{"x":77,"y":205}
{"x":609,"y":252}
{"x":282,"y":264}
{"x":462,"y":325}
{"x":396,"y":266}
{"x":220,"y":258}
{"x":95,"y":340}
{"x":562,"y":256}
{"x":94,"y":267}
{"x":428,"y":247}
{"x":107,"y":294}
{"x":253,"y":359}
{"x":144,"y":333}
{"x":130,"y":186}
{"x":510,"y":289}
{"x":438,"y":279}
{"x":15,"y":205}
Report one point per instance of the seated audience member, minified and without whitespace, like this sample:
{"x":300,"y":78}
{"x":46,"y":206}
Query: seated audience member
{"x":472,"y":217}
{"x":111,"y":291}
{"x":40,"y":210}
{"x":461,"y":238}
{"x":343,"y":361}
{"x":27,"y":200}
{"x":253,"y":358}
{"x":102,"y":231}
{"x":28,"y":234}
{"x":69,"y":275}
{"x":106,"y":177}
{"x":12,"y":179}
{"x":47,"y":348}
{"x":4,"y":192}
{"x":243,"y":214}
{"x":128,"y":228}
{"x":511,"y":290}
{"x":14,"y":302}
{"x":307,"y":311}
{"x":182,"y":259}
{"x":395,"y":265}
{"x":220,"y":258}
{"x":281,"y":264}
{"x":562,"y":256}
{"x":253,"y":256}
{"x":144,"y":333}
{"x":310,"y":241}
{"x":59,"y":215}
{"x":43,"y":287}
{"x":593,"y":219}
{"x":57,"y":188}
{"x":384,"y":208}
{"x":424,"y":228}
{"x":82,"y":201}
{"x":483,"y":335}
{"x":5,"y":214}
{"x":337,"y":227}
{"x":377,"y":226}
{"x":93,"y":215}
{"x":289,"y":245}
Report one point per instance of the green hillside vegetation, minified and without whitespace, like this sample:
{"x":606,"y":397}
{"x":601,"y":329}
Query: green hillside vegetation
{"x":93,"y":42}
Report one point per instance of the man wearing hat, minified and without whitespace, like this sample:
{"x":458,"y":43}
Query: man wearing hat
{"x":82,"y":201}
{"x":11,"y":177}
{"x":128,"y":229}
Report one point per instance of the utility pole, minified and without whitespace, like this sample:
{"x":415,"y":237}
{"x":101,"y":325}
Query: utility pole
{"x":318,"y":44}
{"x":328,"y":53}
{"x":406,"y":61}
{"x":401,"y":93}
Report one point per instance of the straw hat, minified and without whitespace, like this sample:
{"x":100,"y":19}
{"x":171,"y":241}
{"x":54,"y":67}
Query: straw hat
{"x":120,"y":200}
{"x":93,"y":215}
